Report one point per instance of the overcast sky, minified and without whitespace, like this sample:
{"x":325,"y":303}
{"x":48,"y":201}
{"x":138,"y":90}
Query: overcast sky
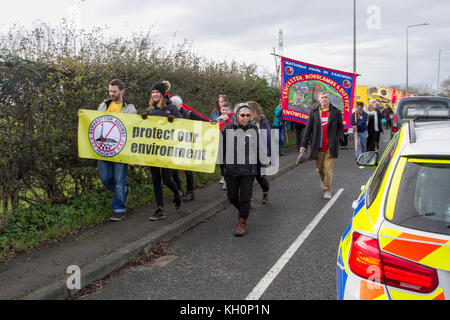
{"x":318,"y":32}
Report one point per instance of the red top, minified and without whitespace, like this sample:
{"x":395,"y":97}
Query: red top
{"x":324,"y":122}
{"x":223,"y":123}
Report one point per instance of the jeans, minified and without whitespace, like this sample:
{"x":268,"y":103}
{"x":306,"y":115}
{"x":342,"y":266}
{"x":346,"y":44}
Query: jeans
{"x":114,"y":178}
{"x":362,"y":143}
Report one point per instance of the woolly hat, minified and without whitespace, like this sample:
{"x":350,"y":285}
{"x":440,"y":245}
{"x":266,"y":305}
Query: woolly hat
{"x":161,"y":87}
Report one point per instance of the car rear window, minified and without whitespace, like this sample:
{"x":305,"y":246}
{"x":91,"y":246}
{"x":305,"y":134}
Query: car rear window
{"x":426,"y":104}
{"x":423,"y":200}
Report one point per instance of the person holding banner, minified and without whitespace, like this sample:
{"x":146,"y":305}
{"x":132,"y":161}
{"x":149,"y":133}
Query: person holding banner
{"x":114,"y":174}
{"x":264,"y":128}
{"x":241,"y":162}
{"x":325,"y":129}
{"x":161,"y":106}
{"x":186,"y":114}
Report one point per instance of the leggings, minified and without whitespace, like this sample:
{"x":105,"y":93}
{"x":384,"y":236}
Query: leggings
{"x":263,"y":182}
{"x":239,"y":192}
{"x":166,"y":175}
{"x":189,"y":180}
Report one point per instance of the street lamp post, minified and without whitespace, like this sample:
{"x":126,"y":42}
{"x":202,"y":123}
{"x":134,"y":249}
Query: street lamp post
{"x":354,"y":36}
{"x":439,"y":69}
{"x":407,"y":28}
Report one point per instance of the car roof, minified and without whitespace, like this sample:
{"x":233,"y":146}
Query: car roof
{"x":406,"y":99}
{"x":428,"y":139}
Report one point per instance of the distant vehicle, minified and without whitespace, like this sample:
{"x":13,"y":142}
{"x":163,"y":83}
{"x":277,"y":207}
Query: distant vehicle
{"x":410,"y":108}
{"x":397,"y":244}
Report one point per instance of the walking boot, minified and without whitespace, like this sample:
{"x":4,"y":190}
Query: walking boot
{"x":240,"y":229}
{"x":178,"y":202}
{"x":188,"y":196}
{"x":265,"y":197}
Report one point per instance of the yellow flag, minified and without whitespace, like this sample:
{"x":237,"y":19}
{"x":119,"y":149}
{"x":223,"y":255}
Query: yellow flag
{"x":127,"y":138}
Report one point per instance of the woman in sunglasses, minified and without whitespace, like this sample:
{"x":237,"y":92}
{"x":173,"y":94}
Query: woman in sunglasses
{"x":241,"y":162}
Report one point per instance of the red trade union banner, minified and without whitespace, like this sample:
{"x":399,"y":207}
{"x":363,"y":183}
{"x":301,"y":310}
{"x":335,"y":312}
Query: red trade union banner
{"x":301,"y":84}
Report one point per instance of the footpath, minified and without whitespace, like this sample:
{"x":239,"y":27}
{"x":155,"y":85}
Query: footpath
{"x":42,"y":273}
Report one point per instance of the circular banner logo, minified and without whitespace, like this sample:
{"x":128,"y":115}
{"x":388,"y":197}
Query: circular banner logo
{"x":107,"y":136}
{"x":289,"y":71}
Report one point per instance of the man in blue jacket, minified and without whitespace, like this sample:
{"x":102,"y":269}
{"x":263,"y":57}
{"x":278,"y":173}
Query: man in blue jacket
{"x":359,"y":123}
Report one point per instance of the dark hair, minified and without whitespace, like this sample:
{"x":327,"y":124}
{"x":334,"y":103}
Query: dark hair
{"x":117,"y":82}
{"x":227,"y":104}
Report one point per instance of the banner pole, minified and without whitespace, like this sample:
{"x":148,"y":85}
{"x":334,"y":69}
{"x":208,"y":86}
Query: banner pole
{"x":355,"y":134}
{"x":277,"y":68}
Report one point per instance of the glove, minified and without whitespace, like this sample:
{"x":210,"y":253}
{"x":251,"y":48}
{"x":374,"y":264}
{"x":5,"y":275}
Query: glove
{"x":144,"y":115}
{"x":170,"y":117}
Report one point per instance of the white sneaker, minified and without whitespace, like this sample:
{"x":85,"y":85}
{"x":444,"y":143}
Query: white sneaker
{"x":224,"y":187}
{"x":223,"y":180}
{"x":327,"y":194}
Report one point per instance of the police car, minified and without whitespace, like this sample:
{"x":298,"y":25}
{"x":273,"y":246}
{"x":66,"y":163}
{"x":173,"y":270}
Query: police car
{"x":407,"y":107}
{"x":397,"y":244}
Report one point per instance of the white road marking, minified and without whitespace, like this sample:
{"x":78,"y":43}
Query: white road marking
{"x":265,"y":282}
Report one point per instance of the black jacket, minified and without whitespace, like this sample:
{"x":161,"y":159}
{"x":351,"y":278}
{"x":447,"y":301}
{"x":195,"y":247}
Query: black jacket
{"x":314,"y":128}
{"x":245,"y":148}
{"x":191,"y":115}
{"x":169,"y":109}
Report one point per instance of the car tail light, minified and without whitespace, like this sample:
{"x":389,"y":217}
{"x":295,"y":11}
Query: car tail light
{"x":368,"y":262}
{"x":394,"y":124}
{"x":408,"y":275}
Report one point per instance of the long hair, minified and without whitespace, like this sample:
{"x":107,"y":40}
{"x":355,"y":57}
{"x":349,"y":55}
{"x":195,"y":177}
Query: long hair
{"x":162,"y":101}
{"x":225,"y":97}
{"x":255,"y":108}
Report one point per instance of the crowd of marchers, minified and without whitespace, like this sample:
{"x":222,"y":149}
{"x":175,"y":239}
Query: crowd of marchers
{"x":323,"y":135}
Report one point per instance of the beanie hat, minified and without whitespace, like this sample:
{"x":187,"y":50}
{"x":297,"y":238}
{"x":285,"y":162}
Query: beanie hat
{"x":159,"y":86}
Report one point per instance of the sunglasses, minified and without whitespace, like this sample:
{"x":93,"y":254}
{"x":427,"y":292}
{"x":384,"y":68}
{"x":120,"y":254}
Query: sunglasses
{"x":244,"y":115}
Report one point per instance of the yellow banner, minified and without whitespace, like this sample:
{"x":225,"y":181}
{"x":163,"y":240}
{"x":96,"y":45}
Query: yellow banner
{"x":386,"y":93}
{"x":127,"y":138}
{"x":361,"y":94}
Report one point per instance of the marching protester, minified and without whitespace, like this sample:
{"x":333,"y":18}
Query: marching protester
{"x":114,"y":174}
{"x":374,"y":127}
{"x":219,"y":102}
{"x":240,"y":175}
{"x":326,"y":130}
{"x":282,"y":127}
{"x":387,"y":112}
{"x":359,"y":124}
{"x":161,"y":106}
{"x":186,"y":114}
{"x":262,"y":123}
{"x":380,"y":116}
